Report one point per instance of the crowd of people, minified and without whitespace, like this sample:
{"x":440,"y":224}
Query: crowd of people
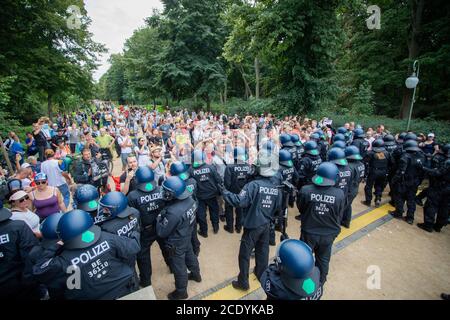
{"x":67,"y":208}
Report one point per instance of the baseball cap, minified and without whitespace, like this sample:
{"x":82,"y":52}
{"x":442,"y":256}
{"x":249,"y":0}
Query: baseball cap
{"x":25,"y":165}
{"x":430,"y":135}
{"x":18,"y":195}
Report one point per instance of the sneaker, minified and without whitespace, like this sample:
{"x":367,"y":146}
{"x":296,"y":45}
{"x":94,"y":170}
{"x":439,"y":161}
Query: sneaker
{"x":366,"y":203}
{"x":203,"y":234}
{"x":237,"y":285}
{"x":227,"y":229}
{"x":195,"y":277}
{"x":424,"y":227}
{"x":177,"y":295}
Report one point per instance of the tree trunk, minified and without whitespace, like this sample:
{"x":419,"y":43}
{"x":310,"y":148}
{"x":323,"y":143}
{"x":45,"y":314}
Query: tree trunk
{"x":49,"y":106}
{"x":225,"y":92}
{"x":248,"y":91}
{"x":221,"y":97}
{"x":208,"y":102}
{"x":257,"y":76}
{"x":416,"y":7}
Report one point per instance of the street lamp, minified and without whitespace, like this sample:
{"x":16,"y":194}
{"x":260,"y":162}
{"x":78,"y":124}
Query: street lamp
{"x":411,"y":83}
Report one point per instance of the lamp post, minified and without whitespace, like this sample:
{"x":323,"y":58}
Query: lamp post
{"x":411,"y":83}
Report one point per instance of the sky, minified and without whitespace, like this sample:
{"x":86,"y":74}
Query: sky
{"x":113,"y":21}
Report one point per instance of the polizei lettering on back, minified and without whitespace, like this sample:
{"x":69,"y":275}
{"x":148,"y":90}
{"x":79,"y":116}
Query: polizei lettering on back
{"x":323,"y":198}
{"x":149,"y":197}
{"x":92,"y":253}
{"x":201,"y":171}
{"x":266,"y":190}
{"x":126,"y":229}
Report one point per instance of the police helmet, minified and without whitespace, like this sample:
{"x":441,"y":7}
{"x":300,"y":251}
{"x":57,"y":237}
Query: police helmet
{"x":267,"y":164}
{"x":321,"y":134}
{"x":378,"y":145}
{"x":389,"y":140}
{"x":411,"y":145}
{"x":339,"y":144}
{"x":311,"y":148}
{"x":352,"y":152}
{"x":401,"y":137}
{"x":410,"y":136}
{"x":296,"y":140}
{"x":337,"y":156}
{"x":113,"y":204}
{"x":77,"y":230}
{"x":179,"y":169}
{"x":314,"y":136}
{"x":239,"y":154}
{"x":326,"y":175}
{"x":174,"y":187}
{"x":145,"y":178}
{"x":198,"y":158}
{"x":339,"y":137}
{"x":295,"y":263}
{"x":342,"y":130}
{"x":359,"y":133}
{"x":49,"y":228}
{"x":285,"y":158}
{"x":285,"y":140}
{"x":87,"y":196}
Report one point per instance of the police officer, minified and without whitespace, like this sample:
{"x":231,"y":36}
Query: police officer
{"x":91,"y":264}
{"x":147,"y":199}
{"x":339,"y":144}
{"x":208,"y":184}
{"x":181,"y":170}
{"x":344,"y":131}
{"x":358,"y":173}
{"x":396,"y":155}
{"x":437,"y":204}
{"x":16,"y":241}
{"x":287,"y":144}
{"x":86,"y":198}
{"x":260,"y":199}
{"x":339,"y":137}
{"x":293,"y":275}
{"x":359,"y":142}
{"x":389,"y":143}
{"x":321,"y":207}
{"x":322,"y":145}
{"x":378,"y":162}
{"x":174,"y":225}
{"x":299,"y":147}
{"x":407,"y":180}
{"x":236,"y":177}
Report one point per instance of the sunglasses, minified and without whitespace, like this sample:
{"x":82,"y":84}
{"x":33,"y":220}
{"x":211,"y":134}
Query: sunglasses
{"x":24,"y":199}
{"x":40,"y":182}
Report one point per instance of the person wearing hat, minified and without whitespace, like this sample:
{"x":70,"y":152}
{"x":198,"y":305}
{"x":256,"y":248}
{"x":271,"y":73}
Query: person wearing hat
{"x":100,"y":258}
{"x":322,"y":206}
{"x":175,"y":225}
{"x":235,"y":178}
{"x":378,"y":163}
{"x":345,"y":179}
{"x":407,"y":179}
{"x":16,"y":241}
{"x":360,"y":142}
{"x":209,"y":184}
{"x":260,"y":199}
{"x":292,"y":275}
{"x":358,"y":173}
{"x":20,"y":204}
{"x":147,"y":199}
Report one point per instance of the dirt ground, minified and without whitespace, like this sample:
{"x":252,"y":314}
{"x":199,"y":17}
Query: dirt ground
{"x":412,"y":264}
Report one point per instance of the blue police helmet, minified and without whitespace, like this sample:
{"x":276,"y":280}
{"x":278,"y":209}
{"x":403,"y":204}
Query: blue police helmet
{"x":339,"y":137}
{"x":295,"y":262}
{"x":411,"y":145}
{"x":87,"y":196}
{"x":295,"y":139}
{"x":145,"y":178}
{"x":240,"y":154}
{"x":311,"y":148}
{"x":339,"y":144}
{"x":113,"y":204}
{"x":410,"y":136}
{"x":401,"y":136}
{"x":49,"y":227}
{"x":77,"y":230}
{"x":378,"y":145}
{"x":285,"y":140}
{"x":285,"y":158}
{"x":314,"y":136}
{"x":342,"y":130}
{"x":326,"y":175}
{"x":174,"y":187}
{"x":352,"y":152}
{"x":337,"y":156}
{"x":198,"y":158}
{"x":359,"y":133}
{"x":179,"y":169}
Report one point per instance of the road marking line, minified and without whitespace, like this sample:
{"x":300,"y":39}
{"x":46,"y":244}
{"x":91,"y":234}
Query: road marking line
{"x":229,"y":293}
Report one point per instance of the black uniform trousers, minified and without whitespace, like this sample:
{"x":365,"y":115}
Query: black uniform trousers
{"x":377,"y":180}
{"x":405,"y":192}
{"x":347,"y":215}
{"x":229,"y":216}
{"x":194,"y":240}
{"x":321,"y":246}
{"x":181,"y":259}
{"x":258,"y":239}
{"x":213,"y":206}
{"x":436,"y":208}
{"x":143,"y":259}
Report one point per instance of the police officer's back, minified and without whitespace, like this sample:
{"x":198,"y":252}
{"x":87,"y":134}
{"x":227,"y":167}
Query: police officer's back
{"x":309,"y":163}
{"x":359,"y":142}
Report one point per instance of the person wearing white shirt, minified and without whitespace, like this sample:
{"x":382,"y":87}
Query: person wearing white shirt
{"x":20,"y":204}
{"x":56,"y":177}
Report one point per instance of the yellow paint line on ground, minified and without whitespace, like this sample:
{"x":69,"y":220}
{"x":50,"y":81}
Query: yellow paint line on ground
{"x":229,"y":293}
